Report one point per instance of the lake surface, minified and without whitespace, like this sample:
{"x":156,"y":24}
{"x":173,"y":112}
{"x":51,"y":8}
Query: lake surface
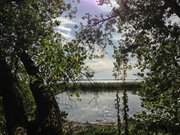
{"x":95,"y":107}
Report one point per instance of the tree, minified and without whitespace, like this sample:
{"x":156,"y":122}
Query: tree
{"x":32,"y":58}
{"x":120,"y":70}
{"x":155,"y":43}
{"x":149,"y":33}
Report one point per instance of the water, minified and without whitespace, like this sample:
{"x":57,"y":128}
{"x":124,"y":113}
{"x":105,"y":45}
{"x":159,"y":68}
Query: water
{"x":95,"y":107}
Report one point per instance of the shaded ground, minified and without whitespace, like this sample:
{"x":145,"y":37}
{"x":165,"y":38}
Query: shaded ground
{"x":76,"y":128}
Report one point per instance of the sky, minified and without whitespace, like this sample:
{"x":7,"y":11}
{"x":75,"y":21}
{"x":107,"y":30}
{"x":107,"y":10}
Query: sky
{"x":102,"y":67}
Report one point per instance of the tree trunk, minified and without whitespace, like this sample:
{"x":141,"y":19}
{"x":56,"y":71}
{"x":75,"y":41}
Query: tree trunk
{"x":118,"y":112}
{"x":48,"y":121}
{"x":12,"y":100}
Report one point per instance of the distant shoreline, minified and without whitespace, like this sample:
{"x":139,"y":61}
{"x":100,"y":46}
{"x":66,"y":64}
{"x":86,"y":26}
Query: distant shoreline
{"x":99,"y":86}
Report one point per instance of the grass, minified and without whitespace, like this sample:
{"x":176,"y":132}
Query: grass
{"x":95,"y":129}
{"x":99,"y":131}
{"x":75,"y":128}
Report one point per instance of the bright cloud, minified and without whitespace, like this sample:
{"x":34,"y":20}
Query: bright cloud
{"x":101,"y":65}
{"x":66,"y":27}
{"x":103,"y":68}
{"x":65,"y":20}
{"x":173,"y":19}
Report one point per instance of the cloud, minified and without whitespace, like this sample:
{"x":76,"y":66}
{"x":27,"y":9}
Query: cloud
{"x":173,"y":20}
{"x":67,"y":35}
{"x":66,"y":27}
{"x":66,"y":20}
{"x":108,"y":8}
{"x":104,"y":64}
{"x":103,"y":68}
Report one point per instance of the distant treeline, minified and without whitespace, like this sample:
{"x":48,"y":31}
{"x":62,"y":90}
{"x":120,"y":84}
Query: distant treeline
{"x":98,"y":86}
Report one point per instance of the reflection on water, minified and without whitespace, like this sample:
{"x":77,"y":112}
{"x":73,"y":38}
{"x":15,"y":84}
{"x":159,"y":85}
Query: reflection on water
{"x":95,"y":107}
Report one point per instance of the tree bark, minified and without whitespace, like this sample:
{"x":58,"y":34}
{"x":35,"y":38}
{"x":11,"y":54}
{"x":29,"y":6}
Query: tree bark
{"x":12,"y":100}
{"x":48,"y":120}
